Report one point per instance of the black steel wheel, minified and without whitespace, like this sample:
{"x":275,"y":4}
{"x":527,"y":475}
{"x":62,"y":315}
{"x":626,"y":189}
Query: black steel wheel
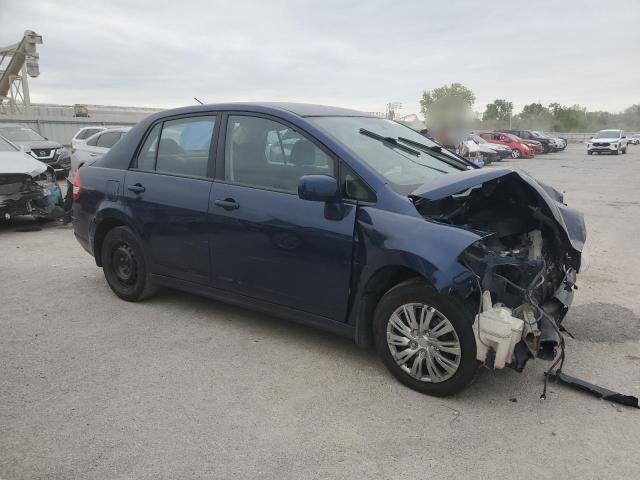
{"x":124,"y":265}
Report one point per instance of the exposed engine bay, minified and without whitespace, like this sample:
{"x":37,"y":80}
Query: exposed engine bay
{"x":525,"y":265}
{"x":26,"y":194}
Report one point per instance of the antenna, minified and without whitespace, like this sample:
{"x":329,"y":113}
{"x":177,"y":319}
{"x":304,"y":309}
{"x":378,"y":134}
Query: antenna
{"x":196,"y":99}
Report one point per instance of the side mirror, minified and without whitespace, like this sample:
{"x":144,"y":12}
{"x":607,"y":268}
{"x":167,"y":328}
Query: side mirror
{"x":591,"y":137}
{"x":318,"y":188}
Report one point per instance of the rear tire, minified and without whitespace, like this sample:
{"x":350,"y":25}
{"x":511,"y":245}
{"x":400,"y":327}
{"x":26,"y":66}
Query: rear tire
{"x":515,"y":153}
{"x":124,"y":265}
{"x":437,"y":357}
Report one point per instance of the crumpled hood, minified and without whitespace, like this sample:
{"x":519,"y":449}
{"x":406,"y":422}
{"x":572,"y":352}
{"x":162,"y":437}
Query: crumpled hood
{"x":571,"y":221}
{"x":20,"y":162}
{"x":495,"y":146}
{"x":485,"y":148}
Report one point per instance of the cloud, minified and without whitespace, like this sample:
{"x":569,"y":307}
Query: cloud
{"x":356,"y":54}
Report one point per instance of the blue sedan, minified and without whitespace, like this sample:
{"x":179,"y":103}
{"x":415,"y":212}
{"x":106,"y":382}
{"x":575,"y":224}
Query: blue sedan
{"x":340,"y":220}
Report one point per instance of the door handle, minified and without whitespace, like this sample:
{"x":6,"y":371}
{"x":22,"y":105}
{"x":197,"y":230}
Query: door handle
{"x":93,"y":154}
{"x":137,"y":188}
{"x":227,"y":204}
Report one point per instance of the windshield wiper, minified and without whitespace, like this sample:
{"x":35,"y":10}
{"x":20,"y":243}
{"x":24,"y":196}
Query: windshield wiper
{"x":394,"y":142}
{"x":437,"y":149}
{"x":390,"y":140}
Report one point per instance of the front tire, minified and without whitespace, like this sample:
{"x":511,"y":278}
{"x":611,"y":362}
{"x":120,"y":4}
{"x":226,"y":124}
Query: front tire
{"x":515,"y":153}
{"x":124,"y":265}
{"x":425,"y":339}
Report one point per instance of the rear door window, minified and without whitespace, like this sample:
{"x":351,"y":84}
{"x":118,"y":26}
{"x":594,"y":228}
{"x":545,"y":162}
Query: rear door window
{"x":184,"y":146}
{"x":147,"y":155}
{"x":87,"y":133}
{"x":108,"y":140}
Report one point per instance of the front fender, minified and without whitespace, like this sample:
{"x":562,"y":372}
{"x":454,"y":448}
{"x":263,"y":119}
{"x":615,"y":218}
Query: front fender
{"x":388,"y":239}
{"x":430,"y":249}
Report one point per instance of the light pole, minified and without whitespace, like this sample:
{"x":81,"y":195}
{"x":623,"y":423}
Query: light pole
{"x":392,"y":107}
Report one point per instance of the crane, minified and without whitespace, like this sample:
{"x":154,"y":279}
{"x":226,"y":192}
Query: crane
{"x":17,"y":62}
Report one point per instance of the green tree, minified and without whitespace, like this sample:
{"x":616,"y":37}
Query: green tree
{"x":534,"y":116}
{"x":449,"y":106}
{"x":498,"y":114}
{"x":569,"y":119}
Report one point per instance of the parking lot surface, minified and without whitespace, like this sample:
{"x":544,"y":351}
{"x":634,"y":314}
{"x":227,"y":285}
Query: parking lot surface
{"x":183,"y":387}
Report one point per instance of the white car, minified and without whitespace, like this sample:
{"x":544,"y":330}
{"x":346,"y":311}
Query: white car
{"x":95,"y":147}
{"x":81,"y":136}
{"x":607,"y":141}
{"x":634,"y":139}
{"x":27,"y":186}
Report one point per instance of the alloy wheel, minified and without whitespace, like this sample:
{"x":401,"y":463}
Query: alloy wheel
{"x":515,"y":154}
{"x":423,"y":342}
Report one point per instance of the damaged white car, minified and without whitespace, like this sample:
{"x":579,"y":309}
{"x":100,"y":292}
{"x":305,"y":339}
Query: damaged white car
{"x":27,"y":186}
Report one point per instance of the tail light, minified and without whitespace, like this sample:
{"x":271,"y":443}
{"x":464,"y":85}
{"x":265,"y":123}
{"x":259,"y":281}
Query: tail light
{"x":77,"y":186}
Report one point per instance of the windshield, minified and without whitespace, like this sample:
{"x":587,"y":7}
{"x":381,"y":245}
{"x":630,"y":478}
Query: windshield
{"x":537,"y":134}
{"x":391,"y":149}
{"x":19,"y":134}
{"x":607,"y":134}
{"x":6,"y":146}
{"x":513,"y":137}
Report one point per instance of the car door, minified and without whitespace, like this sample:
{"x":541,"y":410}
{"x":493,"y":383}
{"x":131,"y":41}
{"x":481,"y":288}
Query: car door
{"x":267,"y":243}
{"x":167,"y":191}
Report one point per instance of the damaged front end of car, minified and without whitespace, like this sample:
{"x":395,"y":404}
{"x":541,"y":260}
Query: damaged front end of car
{"x":23,"y":194}
{"x":525,"y":261}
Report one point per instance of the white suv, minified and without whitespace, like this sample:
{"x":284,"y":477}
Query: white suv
{"x":609,"y":141}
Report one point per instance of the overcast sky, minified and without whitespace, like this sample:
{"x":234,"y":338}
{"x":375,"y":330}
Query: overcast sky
{"x":360,"y":54}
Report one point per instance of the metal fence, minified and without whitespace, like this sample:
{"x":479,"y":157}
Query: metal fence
{"x":60,"y":130}
{"x":578,"y":137}
{"x":60,"y":122}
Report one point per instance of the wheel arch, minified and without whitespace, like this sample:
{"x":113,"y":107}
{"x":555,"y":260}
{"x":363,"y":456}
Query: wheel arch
{"x":104,"y":222}
{"x":388,"y":277}
{"x":379,"y":283}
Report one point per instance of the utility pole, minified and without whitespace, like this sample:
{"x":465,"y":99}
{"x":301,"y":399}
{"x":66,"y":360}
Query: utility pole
{"x":392,"y":108}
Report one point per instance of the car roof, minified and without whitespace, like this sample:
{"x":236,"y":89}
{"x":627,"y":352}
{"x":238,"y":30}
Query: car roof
{"x":99,"y":127}
{"x":114,"y":129}
{"x":299,"y":109}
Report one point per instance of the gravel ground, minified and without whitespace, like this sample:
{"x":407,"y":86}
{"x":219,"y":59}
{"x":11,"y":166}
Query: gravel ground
{"x":183,"y":387}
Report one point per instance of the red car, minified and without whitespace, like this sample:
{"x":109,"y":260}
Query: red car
{"x":517,"y":145}
{"x":534,"y":145}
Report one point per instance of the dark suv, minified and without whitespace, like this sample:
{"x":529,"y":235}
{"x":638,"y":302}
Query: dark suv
{"x":548,"y":145}
{"x":53,"y":154}
{"x":347,"y":222}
